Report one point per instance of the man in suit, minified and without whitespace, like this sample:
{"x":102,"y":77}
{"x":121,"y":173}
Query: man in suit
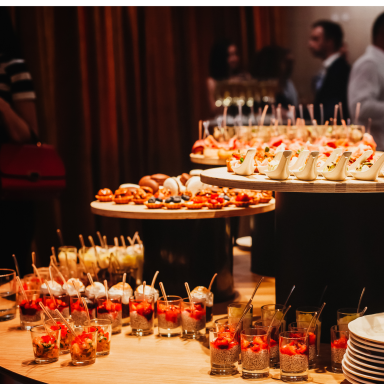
{"x":330,"y":85}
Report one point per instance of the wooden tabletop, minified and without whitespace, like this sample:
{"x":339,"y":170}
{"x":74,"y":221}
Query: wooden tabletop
{"x":222,"y":178}
{"x":201,"y":159}
{"x":129,"y":211}
{"x":148,"y":359}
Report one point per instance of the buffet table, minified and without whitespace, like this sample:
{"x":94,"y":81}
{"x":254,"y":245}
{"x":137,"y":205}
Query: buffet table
{"x":184,"y":245}
{"x":327,"y":234}
{"x":147,"y":359}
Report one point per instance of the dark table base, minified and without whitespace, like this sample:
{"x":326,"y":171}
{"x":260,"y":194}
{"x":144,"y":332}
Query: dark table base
{"x":333,"y":240}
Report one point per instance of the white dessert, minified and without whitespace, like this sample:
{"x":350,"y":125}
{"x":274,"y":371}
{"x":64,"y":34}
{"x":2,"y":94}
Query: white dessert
{"x":95,"y":290}
{"x":202,"y":293}
{"x":67,"y":258}
{"x":70,"y":289}
{"x":56,"y":288}
{"x":148,"y":291}
{"x":116,"y":292}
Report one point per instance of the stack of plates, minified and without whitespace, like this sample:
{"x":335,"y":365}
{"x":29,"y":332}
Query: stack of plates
{"x":364,"y":360}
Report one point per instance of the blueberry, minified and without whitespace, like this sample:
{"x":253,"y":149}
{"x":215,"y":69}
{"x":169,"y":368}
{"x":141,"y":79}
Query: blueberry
{"x":185,"y":197}
{"x":159,"y":200}
{"x":169,"y":200}
{"x":152,"y":200}
{"x":177,"y":199}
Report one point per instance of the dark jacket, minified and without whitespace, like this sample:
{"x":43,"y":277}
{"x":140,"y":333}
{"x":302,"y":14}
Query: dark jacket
{"x":333,"y":90}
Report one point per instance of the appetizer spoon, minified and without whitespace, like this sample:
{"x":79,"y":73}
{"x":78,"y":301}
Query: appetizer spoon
{"x":372,"y":173}
{"x":303,"y":155}
{"x":247,"y":167}
{"x":339,"y":173}
{"x":309,"y":172}
{"x":282,"y":171}
{"x":357,"y":163}
{"x":331,"y":158}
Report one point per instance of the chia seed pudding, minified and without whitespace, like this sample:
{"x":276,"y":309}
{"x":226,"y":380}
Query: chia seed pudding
{"x":337,"y":355}
{"x":274,"y":352}
{"x":225,"y":356}
{"x":191,"y":324}
{"x":294,"y":363}
{"x":254,"y":360}
{"x":115,"y":318}
{"x":140,"y":322}
{"x":312,"y":352}
{"x":165,"y":324}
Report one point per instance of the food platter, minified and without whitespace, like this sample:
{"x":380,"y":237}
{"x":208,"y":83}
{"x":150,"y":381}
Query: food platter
{"x":201,"y":159}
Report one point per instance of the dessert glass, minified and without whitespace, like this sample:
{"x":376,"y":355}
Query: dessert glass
{"x":111,"y":310}
{"x":30,"y":311}
{"x":305,"y":314}
{"x":294,"y":353}
{"x":169,"y":316}
{"x":222,"y":325}
{"x":68,"y":259}
{"x":255,"y":353}
{"x":300,"y":328}
{"x":65,"y":332}
{"x":268,"y":311}
{"x":79,"y":312}
{"x":142,"y":313}
{"x":46,"y":347}
{"x":62,"y":304}
{"x":33,"y":282}
{"x":345,"y":316}
{"x":225,"y":351}
{"x":83,"y":347}
{"x":274,"y":340}
{"x":235,"y":310}
{"x":7,"y":294}
{"x":104,"y":332}
{"x":339,"y":342}
{"x":193,"y":318}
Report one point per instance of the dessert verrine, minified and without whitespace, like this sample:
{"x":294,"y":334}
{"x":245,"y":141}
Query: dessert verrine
{"x":193,"y":318}
{"x":201,"y":292}
{"x":148,"y":291}
{"x":30,"y":310}
{"x":91,"y":292}
{"x":83,"y":346}
{"x":60,"y":299}
{"x":104,"y":332}
{"x":305,"y":314}
{"x":68,"y":259}
{"x":339,"y":343}
{"x":116,"y":292}
{"x":300,"y":329}
{"x":58,"y":324}
{"x":141,"y":310}
{"x":273,"y":339}
{"x":78,"y":311}
{"x":46,"y":346}
{"x":169,"y":316}
{"x":110,"y":309}
{"x":222,"y":325}
{"x":235,"y":311}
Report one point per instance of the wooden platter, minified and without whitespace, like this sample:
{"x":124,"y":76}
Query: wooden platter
{"x":222,"y":178}
{"x":129,"y":211}
{"x":148,"y":359}
{"x":201,"y":159}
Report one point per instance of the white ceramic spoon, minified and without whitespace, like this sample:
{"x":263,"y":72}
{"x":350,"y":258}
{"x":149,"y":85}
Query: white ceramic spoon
{"x":247,"y":167}
{"x":339,"y":173}
{"x":331,"y":158}
{"x":303,"y":155}
{"x":309,"y":172}
{"x":264,"y":168}
{"x":357,"y":163}
{"x":282,"y":171}
{"x":372,"y":173}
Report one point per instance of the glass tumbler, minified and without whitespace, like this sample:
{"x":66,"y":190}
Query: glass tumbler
{"x":339,"y":342}
{"x":193,"y":318}
{"x":294,"y":353}
{"x":83,"y":346}
{"x":346,"y":315}
{"x":142,"y":314}
{"x":274,"y":340}
{"x":7,"y":294}
{"x":225,"y":351}
{"x":169,"y":316}
{"x":46,"y":347}
{"x":268,"y":311}
{"x":104,"y":333}
{"x":31,"y":313}
{"x":64,"y":336}
{"x":305,"y":314}
{"x":255,"y":353}
{"x":68,"y":259}
{"x":111,"y":310}
{"x":222,"y":325}
{"x":235,"y":310}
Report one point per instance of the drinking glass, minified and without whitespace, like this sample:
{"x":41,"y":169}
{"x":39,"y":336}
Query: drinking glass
{"x":255,"y":353}
{"x":294,"y":353}
{"x":222,"y":325}
{"x":104,"y":332}
{"x":268,"y":311}
{"x":142,"y":313}
{"x":273,"y":341}
{"x":58,"y":324}
{"x":79,"y":312}
{"x":83,"y":347}
{"x":7,"y":294}
{"x":46,"y":347}
{"x":225,"y":351}
{"x":339,"y":342}
{"x":30,"y":311}
{"x":60,"y":302}
{"x":193,"y":318}
{"x":346,"y":315}
{"x":235,"y":310}
{"x":68,"y":259}
{"x":110,"y":309}
{"x":300,"y":328}
{"x":33,"y":282}
{"x":169,"y":316}
{"x":305,"y":314}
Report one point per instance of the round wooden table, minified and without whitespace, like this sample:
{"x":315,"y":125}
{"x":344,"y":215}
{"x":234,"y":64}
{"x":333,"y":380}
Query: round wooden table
{"x":149,"y":359}
{"x":327,"y":234}
{"x":201,"y":159}
{"x":187,"y":245}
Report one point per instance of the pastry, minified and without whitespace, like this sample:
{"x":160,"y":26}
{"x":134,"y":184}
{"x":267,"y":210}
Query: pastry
{"x":122,"y":196}
{"x":104,"y":195}
{"x":147,"y":181}
{"x":159,"y":178}
{"x":154,"y":203}
{"x":141,"y":196}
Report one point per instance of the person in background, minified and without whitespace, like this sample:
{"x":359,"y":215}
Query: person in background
{"x":18,"y":124}
{"x":366,"y":84}
{"x":224,"y":64}
{"x":330,"y":85}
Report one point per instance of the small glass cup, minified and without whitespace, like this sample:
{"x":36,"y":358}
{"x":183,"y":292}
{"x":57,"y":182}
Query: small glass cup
{"x":222,"y":325}
{"x":345,"y":316}
{"x":169,"y":316}
{"x":79,"y":312}
{"x":46,"y":347}
{"x":193,"y":318}
{"x":111,"y":310}
{"x":65,"y":332}
{"x":30,"y":311}
{"x":68,"y":259}
{"x":104,"y":333}
{"x":33,"y":282}
{"x":60,"y":302}
{"x":339,"y":342}
{"x":235,"y":310}
{"x":7,"y":294}
{"x":305,"y":314}
{"x":273,"y":341}
{"x":225,"y":351}
{"x":142,"y":314}
{"x":268,"y":311}
{"x":300,"y":328}
{"x":255,"y":353}
{"x":83,"y":347}
{"x":294,"y":352}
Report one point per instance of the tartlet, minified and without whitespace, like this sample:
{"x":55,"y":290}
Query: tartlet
{"x":173,"y":205}
{"x":104,"y":195}
{"x":122,"y":196}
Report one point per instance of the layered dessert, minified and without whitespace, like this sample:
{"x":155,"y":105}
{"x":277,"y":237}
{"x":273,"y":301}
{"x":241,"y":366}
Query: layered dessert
{"x":116,"y":292}
{"x":142,"y":314}
{"x":59,"y":301}
{"x":225,"y":350}
{"x":193,"y":318}
{"x":201,"y":292}
{"x":169,"y":316}
{"x":83,"y":348}
{"x":68,"y":258}
{"x":30,"y":312}
{"x":235,"y":311}
{"x":45,"y":347}
{"x":78,"y":312}
{"x":91,"y":292}
{"x":294,"y":357}
{"x":338,"y":349}
{"x":110,"y":309}
{"x":148,"y":292}
{"x":255,"y":354}
{"x":64,"y":335}
{"x":103,"y":340}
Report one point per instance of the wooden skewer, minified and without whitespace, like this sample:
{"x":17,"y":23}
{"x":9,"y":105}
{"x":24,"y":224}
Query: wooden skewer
{"x":123,"y":241}
{"x":77,"y":291}
{"x":90,"y":238}
{"x":124,"y":280}
{"x":163,"y":292}
{"x":60,"y":237}
{"x":135,"y":237}
{"x":16,"y":265}
{"x":321,"y":114}
{"x":106,"y":289}
{"x":66,"y":323}
{"x":105,"y":241}
{"x":301,"y":111}
{"x":225,"y":116}
{"x":37,"y":272}
{"x":357,"y":113}
{"x":46,"y":312}
{"x":86,"y":308}
{"x":58,"y":271}
{"x":82,"y":241}
{"x":22,"y":288}
{"x":144,"y":284}
{"x":210,"y":285}
{"x":154,"y":280}
{"x":50,"y":272}
{"x":100,"y":239}
{"x":263,"y":115}
{"x":200,"y":128}
{"x":335,"y":115}
{"x":116,"y":240}
{"x":34,"y":258}
{"x":50,"y":293}
{"x":189,"y":295}
{"x":90,"y":278}
{"x":130,"y":240}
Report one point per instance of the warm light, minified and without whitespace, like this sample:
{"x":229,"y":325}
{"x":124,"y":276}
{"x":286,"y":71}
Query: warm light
{"x":218,"y":103}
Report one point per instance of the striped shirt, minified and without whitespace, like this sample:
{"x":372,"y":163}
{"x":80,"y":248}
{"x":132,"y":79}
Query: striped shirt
{"x":15,"y":80}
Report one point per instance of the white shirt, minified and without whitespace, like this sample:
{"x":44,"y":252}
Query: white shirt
{"x":366,"y":85}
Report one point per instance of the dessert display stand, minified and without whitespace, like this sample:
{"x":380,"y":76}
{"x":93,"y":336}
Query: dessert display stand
{"x":184,"y":246}
{"x":147,"y":359}
{"x":326,"y":234}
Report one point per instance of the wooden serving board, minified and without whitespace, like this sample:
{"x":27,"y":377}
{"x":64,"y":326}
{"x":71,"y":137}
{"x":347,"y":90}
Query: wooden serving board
{"x":222,"y":178}
{"x":201,"y":159}
{"x":129,"y":211}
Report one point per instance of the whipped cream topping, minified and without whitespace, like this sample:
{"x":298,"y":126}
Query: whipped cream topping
{"x":56,"y":288}
{"x":202,"y":293}
{"x":117,"y":291}
{"x":94,"y":290}
{"x":148,"y":291}
{"x":68,"y":286}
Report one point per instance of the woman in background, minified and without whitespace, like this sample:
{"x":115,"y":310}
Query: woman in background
{"x":18,"y":124}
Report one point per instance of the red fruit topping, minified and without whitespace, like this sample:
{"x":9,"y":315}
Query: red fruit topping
{"x":242,"y":197}
{"x":340,"y":343}
{"x":48,"y":339}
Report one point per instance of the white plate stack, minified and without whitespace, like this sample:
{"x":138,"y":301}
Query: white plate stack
{"x":363,"y":361}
